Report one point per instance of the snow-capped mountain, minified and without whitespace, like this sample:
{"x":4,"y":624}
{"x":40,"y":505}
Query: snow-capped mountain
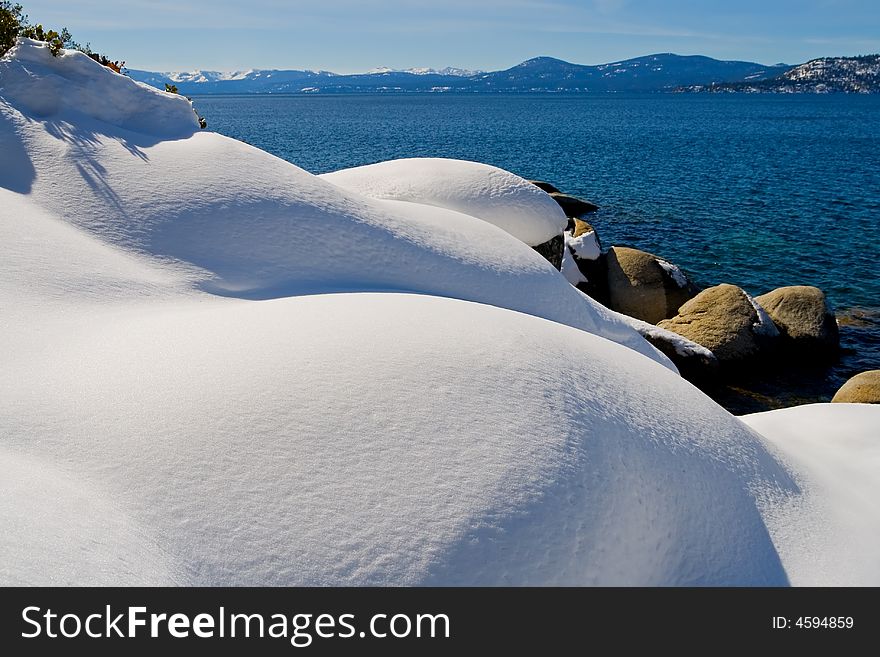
{"x":652,"y":73}
{"x":823,"y":75}
{"x":449,"y":70}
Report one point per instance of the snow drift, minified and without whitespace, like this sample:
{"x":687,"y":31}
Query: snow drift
{"x":829,"y":535}
{"x":220,"y":369}
{"x":310,"y":440}
{"x":234,"y":220}
{"x":480,"y":190}
{"x":46,"y":86}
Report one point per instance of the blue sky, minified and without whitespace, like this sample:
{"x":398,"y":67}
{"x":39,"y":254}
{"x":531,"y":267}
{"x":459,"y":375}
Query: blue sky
{"x":353,"y":36}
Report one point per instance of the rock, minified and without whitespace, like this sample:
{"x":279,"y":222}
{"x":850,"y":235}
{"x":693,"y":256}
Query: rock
{"x":584,"y":264}
{"x":644,"y":286}
{"x":552,"y":250}
{"x":547,"y":187}
{"x":596,"y":285}
{"x":572,"y":205}
{"x":863,"y":388}
{"x":694,"y":362}
{"x":726,"y":321}
{"x":584,"y":245}
{"x":579,"y":227}
{"x":802,"y":317}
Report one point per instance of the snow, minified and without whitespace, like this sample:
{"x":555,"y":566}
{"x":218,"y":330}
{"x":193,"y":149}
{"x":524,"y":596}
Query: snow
{"x":48,"y":87}
{"x":369,"y":439}
{"x":585,"y":246}
{"x":570,"y":269}
{"x":226,"y":218}
{"x":219,"y":369}
{"x":61,"y":531}
{"x":828,"y":535}
{"x":483,"y":191}
{"x":683,"y":346}
{"x":676,"y":274}
{"x":764,"y":325}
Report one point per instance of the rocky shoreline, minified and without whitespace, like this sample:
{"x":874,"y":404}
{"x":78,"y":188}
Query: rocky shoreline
{"x":722,"y":340}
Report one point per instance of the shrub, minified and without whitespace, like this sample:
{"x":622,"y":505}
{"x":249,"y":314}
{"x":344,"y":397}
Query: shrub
{"x":55,"y":40}
{"x":12,"y":19}
{"x":104,"y":61}
{"x":14,"y":24}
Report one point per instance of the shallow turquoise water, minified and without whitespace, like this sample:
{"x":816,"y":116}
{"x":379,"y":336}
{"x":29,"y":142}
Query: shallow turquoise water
{"x":757,"y":190}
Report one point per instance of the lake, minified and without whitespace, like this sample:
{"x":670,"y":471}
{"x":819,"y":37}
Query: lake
{"x":757,"y":190}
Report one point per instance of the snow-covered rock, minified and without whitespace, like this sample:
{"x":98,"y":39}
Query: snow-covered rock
{"x":390,"y":439}
{"x":694,"y":361}
{"x":51,"y":88}
{"x":570,"y":268}
{"x":227,"y":218}
{"x":480,"y":190}
{"x":585,"y":246}
{"x":828,"y":535}
{"x":220,"y":369}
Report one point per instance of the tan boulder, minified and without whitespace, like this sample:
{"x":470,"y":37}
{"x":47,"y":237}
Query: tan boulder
{"x":644,"y":286}
{"x":580,"y":227}
{"x":801,"y":314}
{"x":726,"y":321}
{"x":863,"y":388}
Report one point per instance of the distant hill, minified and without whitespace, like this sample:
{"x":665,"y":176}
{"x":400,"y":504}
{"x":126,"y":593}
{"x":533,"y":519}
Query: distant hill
{"x":825,"y":75}
{"x":653,"y":73}
{"x":662,"y":72}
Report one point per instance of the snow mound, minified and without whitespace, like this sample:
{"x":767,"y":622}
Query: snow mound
{"x":50,"y":87}
{"x":829,"y":535}
{"x":226,"y":218}
{"x":58,"y":532}
{"x":390,"y":439}
{"x":218,"y":368}
{"x":483,"y":191}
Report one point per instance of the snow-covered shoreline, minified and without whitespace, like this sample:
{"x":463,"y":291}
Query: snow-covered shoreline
{"x":218,"y":369}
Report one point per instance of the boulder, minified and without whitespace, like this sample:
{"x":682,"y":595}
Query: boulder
{"x":552,"y":250}
{"x":694,"y":362}
{"x":547,"y":187}
{"x":726,"y":321}
{"x":863,"y":388}
{"x":584,"y":264}
{"x":583,"y":242}
{"x":644,"y":286}
{"x":579,"y":227}
{"x":572,"y":205}
{"x":802,"y":317}
{"x":595,"y":271}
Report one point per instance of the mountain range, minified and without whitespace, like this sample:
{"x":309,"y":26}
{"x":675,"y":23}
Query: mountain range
{"x":825,"y":75}
{"x":653,"y":73}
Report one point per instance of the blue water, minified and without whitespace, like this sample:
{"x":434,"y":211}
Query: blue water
{"x":756,"y":190}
